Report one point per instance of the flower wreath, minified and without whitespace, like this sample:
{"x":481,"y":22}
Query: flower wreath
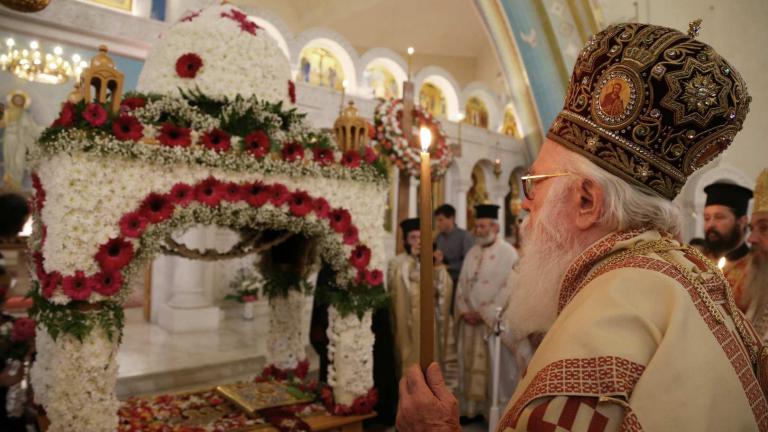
{"x":388,"y":134}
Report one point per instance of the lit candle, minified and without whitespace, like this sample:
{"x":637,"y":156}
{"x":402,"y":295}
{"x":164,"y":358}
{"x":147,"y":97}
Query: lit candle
{"x":343,"y":93}
{"x":426,"y":293}
{"x":721,"y":263}
{"x":410,"y":60}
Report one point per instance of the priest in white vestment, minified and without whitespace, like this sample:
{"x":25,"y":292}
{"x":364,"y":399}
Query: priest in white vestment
{"x":757,"y":271}
{"x":481,"y":289}
{"x":643,"y":332}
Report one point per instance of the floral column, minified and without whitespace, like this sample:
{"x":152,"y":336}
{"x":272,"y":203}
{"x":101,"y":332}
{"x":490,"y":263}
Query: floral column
{"x":350,"y":352}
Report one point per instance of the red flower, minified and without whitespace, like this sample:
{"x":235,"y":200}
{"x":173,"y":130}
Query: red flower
{"x":301,"y":369}
{"x":370,"y":155}
{"x":106,"y":283}
{"x":232,"y":192}
{"x":190,"y":16}
{"x":340,"y":220}
{"x":38,"y":259}
{"x":321,"y":207}
{"x":323,"y":156}
{"x":246,"y":25}
{"x":360,"y":257}
{"x":67,"y":115}
{"x":49,"y":283}
{"x":256,"y":143}
{"x":133,"y":224}
{"x":182,"y":194}
{"x":300,"y":203}
{"x":156,"y":207}
{"x":292,"y":91}
{"x":256,"y":194}
{"x":76,"y":287}
{"x":374,"y":278}
{"x":95,"y":114}
{"x":209,"y":192}
{"x":188,"y":65}
{"x":278,"y":195}
{"x":292,"y":152}
{"x":216,"y":140}
{"x":127,"y":128}
{"x":351,"y":159}
{"x":174,"y":136}
{"x":23,"y":330}
{"x":114,"y":254}
{"x":350,"y":235}
{"x":39,"y":192}
{"x":132,"y":103}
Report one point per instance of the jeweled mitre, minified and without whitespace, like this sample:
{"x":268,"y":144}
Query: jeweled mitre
{"x":651,"y":105}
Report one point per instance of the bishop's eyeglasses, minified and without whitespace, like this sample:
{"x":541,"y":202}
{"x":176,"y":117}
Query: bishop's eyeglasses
{"x":529,"y":181}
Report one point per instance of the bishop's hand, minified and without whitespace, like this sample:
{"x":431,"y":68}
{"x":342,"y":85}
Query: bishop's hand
{"x":426,"y":406}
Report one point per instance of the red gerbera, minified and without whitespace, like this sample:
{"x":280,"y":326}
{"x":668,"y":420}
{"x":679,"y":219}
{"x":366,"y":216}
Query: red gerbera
{"x":323,"y":156}
{"x":49,"y":283}
{"x":181,"y":194}
{"x":209,"y":192}
{"x":301,"y":369}
{"x":106,"y":283}
{"x":256,"y":143}
{"x":292,"y":91}
{"x":292,"y":152}
{"x":23,"y":330}
{"x":232,"y":192}
{"x":188,"y":65}
{"x":256,"y":194}
{"x":278,"y":195}
{"x":340,"y":220}
{"x":156,"y":207}
{"x":95,"y":114}
{"x":66,"y":115}
{"x":300,"y":203}
{"x":350,"y":235}
{"x":114,"y":254}
{"x":360,"y":257}
{"x":127,"y":128}
{"x":374,"y":278}
{"x":370,"y":155}
{"x":321,"y":207}
{"x":174,"y":136}
{"x":132,"y":103}
{"x":351,"y":159}
{"x":133,"y":224}
{"x":76,"y":287}
{"x":216,"y":140}
{"x":246,"y":25}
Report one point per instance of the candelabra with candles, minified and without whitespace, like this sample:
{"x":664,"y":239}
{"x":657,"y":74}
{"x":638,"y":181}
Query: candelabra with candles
{"x":34,"y":64}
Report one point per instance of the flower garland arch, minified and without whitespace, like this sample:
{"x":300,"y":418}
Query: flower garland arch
{"x":388,"y":134}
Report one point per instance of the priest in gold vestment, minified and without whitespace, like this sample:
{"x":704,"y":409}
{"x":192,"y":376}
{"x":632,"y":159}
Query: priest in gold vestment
{"x":643,"y":331}
{"x":403,"y":283}
{"x":757,"y":271}
{"x":481,"y":289}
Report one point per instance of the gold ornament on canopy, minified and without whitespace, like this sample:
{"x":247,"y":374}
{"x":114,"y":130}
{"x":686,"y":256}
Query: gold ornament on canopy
{"x":351,"y":129}
{"x":26,"y":5}
{"x":104,"y":77}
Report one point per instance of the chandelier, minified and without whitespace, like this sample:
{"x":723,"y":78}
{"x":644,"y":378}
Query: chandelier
{"x":34,"y":64}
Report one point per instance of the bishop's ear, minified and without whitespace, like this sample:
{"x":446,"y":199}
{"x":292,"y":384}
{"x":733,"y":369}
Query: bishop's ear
{"x":589,"y":197}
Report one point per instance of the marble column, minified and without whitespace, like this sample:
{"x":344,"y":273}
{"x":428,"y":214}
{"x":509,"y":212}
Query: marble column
{"x":459,"y":198}
{"x":189,"y":307}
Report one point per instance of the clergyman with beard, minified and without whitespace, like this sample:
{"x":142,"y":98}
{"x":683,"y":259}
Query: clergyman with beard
{"x":643,"y":332}
{"x":725,"y":228}
{"x":757,"y":272}
{"x":481,"y":289}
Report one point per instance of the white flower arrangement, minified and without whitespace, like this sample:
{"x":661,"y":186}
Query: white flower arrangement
{"x":237,"y":58}
{"x":350,"y":369}
{"x":75,"y":381}
{"x":285,"y":346}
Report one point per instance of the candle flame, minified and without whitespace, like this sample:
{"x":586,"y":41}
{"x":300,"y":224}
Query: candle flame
{"x":410,"y":51}
{"x":721,"y":263}
{"x":425,"y":136}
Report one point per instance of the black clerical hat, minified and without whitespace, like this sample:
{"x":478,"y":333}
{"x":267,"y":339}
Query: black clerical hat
{"x":490,"y":211}
{"x":408,"y":225}
{"x":728,"y":194}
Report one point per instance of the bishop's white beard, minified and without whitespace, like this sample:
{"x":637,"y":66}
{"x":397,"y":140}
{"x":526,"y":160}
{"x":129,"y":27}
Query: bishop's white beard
{"x":757,"y":282}
{"x":487,"y":240}
{"x":548,"y":248}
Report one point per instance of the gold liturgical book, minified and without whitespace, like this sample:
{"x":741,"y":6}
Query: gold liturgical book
{"x":253,"y":396}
